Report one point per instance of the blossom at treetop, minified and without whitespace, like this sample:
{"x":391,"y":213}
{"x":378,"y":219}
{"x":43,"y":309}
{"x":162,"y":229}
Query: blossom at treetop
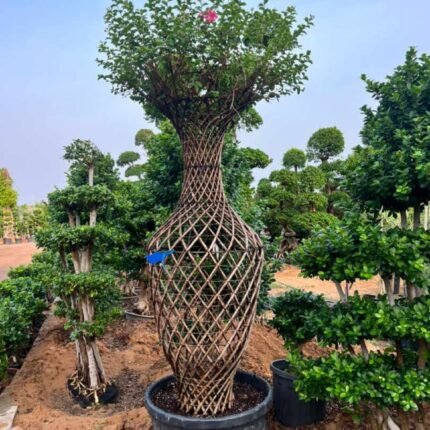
{"x":210,"y":16}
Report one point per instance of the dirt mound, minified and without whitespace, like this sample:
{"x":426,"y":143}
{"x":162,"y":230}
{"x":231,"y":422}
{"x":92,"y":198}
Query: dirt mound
{"x":133,"y":358}
{"x":15,"y":255}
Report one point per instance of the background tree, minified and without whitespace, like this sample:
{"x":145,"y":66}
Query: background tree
{"x":293,"y":203}
{"x":104,"y":171}
{"x":128,"y":159}
{"x":389,"y":174}
{"x":8,"y":200}
{"x":325,"y":144}
{"x":294,"y":158}
{"x":391,"y":170}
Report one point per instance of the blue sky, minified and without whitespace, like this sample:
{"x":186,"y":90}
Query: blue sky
{"x":49,"y":92}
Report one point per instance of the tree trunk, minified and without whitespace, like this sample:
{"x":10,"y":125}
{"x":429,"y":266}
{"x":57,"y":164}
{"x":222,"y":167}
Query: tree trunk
{"x":213,"y":280}
{"x":426,"y":216}
{"x":396,"y":284}
{"x":93,"y":217}
{"x":342,"y":295}
{"x":91,"y":175}
{"x":403,"y":219}
{"x":90,"y":371}
{"x":422,"y":354}
{"x":389,"y":290}
{"x":364,"y":349}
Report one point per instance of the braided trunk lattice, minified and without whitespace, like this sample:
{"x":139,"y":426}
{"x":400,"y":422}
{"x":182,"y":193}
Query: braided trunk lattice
{"x":205,"y":297}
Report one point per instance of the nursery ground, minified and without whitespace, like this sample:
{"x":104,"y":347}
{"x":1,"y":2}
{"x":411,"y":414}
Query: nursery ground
{"x":290,"y":277}
{"x":133,"y":358}
{"x":14,"y":255}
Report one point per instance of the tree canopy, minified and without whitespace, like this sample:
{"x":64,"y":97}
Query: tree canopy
{"x":179,"y":64}
{"x":8,"y":196}
{"x":392,"y":168}
{"x":325,"y":143}
{"x":294,"y":158}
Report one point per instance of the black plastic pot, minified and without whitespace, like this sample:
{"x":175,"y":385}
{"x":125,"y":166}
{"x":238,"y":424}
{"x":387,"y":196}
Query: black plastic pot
{"x":132,"y":316}
{"x":290,"y":410}
{"x":253,"y":419}
{"x":18,"y":240}
{"x":7,"y":241}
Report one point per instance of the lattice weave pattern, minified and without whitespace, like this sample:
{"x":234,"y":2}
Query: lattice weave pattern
{"x":205,"y":297}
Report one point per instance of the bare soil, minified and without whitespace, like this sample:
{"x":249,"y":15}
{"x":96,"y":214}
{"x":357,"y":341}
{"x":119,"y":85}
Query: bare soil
{"x":15,"y":255}
{"x":245,"y":397}
{"x":134,"y":359}
{"x":290,"y":277}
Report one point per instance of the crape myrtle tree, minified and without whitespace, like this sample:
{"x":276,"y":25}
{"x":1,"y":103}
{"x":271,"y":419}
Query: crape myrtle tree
{"x":203,"y":66}
{"x":89,"y":296}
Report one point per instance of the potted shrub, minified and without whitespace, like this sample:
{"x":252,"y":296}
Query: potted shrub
{"x":204,"y":67}
{"x":89,"y":297}
{"x":382,"y":386}
{"x":298,"y":317}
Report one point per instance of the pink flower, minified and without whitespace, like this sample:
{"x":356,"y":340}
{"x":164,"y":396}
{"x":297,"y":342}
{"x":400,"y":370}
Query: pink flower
{"x":210,"y":16}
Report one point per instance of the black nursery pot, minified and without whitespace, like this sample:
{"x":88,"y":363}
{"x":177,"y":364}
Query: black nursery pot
{"x":290,"y":410}
{"x":7,"y":241}
{"x":252,"y":419}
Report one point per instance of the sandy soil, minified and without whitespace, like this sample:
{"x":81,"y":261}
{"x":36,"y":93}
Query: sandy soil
{"x":40,"y":392}
{"x":15,"y":255}
{"x":290,"y":277}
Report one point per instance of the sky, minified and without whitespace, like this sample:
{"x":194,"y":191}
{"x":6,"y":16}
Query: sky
{"x":50,"y":94}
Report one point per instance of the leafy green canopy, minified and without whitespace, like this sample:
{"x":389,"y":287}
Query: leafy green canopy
{"x":392,"y":170}
{"x":299,"y":316}
{"x":292,"y":201}
{"x":8,"y":196}
{"x":325,"y":143}
{"x":294,"y":158}
{"x":174,"y":62}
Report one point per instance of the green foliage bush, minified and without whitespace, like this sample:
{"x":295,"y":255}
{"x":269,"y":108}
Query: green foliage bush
{"x":385,"y":379}
{"x":299,"y":317}
{"x":22,"y":301}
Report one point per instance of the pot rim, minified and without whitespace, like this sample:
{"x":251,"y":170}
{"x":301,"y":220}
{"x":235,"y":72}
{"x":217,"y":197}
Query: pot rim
{"x":226,"y":422}
{"x":282,"y":373}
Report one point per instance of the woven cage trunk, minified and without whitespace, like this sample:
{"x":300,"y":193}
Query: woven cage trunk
{"x":206,"y":293}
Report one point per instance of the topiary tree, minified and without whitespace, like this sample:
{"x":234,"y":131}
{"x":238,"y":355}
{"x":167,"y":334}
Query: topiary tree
{"x":89,"y":297}
{"x":294,"y":205}
{"x":338,"y":254}
{"x":204,"y":69}
{"x":129,"y":158}
{"x":325,"y":144}
{"x":294,"y":158}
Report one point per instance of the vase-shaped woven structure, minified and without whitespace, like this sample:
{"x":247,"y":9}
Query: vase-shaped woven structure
{"x":205,"y":296}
